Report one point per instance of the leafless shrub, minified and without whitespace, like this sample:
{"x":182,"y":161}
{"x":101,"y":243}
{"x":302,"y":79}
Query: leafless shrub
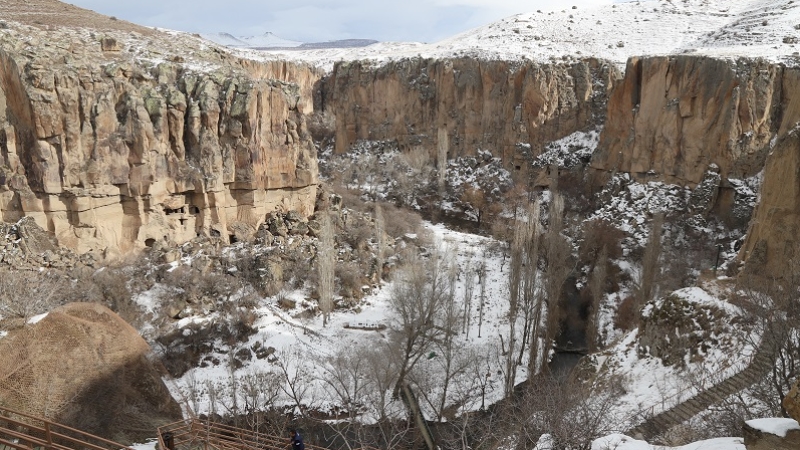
{"x":109,"y":286}
{"x":322,"y":126}
{"x":24,"y":294}
{"x":572,"y":413}
{"x":351,"y":277}
{"x":627,"y":314}
{"x":402,"y":221}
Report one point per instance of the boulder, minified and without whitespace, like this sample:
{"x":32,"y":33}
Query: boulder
{"x":83,"y":366}
{"x":791,"y":403}
{"x":771,"y":434}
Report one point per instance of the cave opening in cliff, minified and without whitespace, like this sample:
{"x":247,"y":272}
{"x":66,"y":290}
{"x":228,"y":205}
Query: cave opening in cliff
{"x":149,"y":242}
{"x":232,"y":239}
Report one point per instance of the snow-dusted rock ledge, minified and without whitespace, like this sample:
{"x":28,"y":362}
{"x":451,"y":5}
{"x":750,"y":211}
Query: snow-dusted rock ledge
{"x":772,"y":434}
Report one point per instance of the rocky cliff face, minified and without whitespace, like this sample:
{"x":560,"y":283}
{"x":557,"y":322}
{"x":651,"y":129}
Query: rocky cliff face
{"x":462,"y":105}
{"x":114,"y":141}
{"x":674,"y":116}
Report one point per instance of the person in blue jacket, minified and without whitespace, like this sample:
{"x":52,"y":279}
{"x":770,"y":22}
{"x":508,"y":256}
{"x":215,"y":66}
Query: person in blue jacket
{"x":297,"y":441}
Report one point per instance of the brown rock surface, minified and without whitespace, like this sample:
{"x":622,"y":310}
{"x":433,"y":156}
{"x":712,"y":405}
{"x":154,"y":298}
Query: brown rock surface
{"x":791,"y":403}
{"x":758,"y":440}
{"x":673,"y":116}
{"x":115,"y":140}
{"x":77,"y":365}
{"x":466,"y":104}
{"x":772,"y":239}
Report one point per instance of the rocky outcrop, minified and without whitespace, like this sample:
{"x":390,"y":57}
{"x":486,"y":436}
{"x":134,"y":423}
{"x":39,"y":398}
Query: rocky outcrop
{"x":77,"y":366}
{"x":791,"y":403}
{"x":674,"y":116}
{"x":112,"y":151}
{"x":462,"y":105}
{"x":772,"y":240}
{"x":783,"y":434}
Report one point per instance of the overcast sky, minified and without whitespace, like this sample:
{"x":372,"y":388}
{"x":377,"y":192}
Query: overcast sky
{"x":325,"y":20}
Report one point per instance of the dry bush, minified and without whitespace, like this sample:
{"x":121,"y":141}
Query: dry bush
{"x":357,"y":233}
{"x":599,"y":234}
{"x":572,"y":413}
{"x":109,"y":287}
{"x":627,"y":314}
{"x":401,"y":221}
{"x":322,"y":126}
{"x":351,"y":199}
{"x":351,"y":278}
{"x":300,"y":269}
{"x":25,"y":293}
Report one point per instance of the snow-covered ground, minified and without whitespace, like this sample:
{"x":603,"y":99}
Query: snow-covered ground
{"x":622,"y":442}
{"x":304,"y":343}
{"x":650,"y":386}
{"x":722,"y":28}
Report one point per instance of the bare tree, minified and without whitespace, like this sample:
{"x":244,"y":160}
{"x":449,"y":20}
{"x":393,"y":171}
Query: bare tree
{"x":382,"y":375}
{"x":649,"y":265}
{"x":346,"y":378}
{"x":557,"y":253}
{"x":296,"y":379}
{"x":326,"y":261}
{"x":531,"y":298}
{"x":416,"y":303}
{"x":597,"y":290}
{"x":469,"y":289}
{"x":441,"y":159}
{"x":522,"y":277}
{"x":24,"y":293}
{"x":380,"y":237}
{"x":260,"y":390}
{"x":571,"y":413}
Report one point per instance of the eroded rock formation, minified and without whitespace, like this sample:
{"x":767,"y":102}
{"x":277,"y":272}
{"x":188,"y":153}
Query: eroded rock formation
{"x":463,"y":105}
{"x":111,"y":150}
{"x":772,"y":246}
{"x":791,"y":403}
{"x":674,"y":116}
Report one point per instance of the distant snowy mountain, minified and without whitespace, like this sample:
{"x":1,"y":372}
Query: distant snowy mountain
{"x":719,"y":28}
{"x":271,"y":41}
{"x":266,"y":40}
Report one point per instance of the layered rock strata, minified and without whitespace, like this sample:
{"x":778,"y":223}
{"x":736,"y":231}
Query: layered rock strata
{"x":461,"y":105}
{"x":111,"y":149}
{"x":674,"y":116}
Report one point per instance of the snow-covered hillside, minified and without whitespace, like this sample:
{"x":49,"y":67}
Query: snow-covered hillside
{"x":723,"y":28}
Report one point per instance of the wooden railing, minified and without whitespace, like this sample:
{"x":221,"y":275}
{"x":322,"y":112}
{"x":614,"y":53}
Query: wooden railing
{"x":196,"y":434}
{"x":20,"y":431}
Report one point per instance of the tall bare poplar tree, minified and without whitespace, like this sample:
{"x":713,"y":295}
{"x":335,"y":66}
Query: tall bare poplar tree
{"x":326,"y":260}
{"x":380,"y":256}
{"x":522,"y":275}
{"x":650,"y":264}
{"x":557,"y":252}
{"x":596,"y":289}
